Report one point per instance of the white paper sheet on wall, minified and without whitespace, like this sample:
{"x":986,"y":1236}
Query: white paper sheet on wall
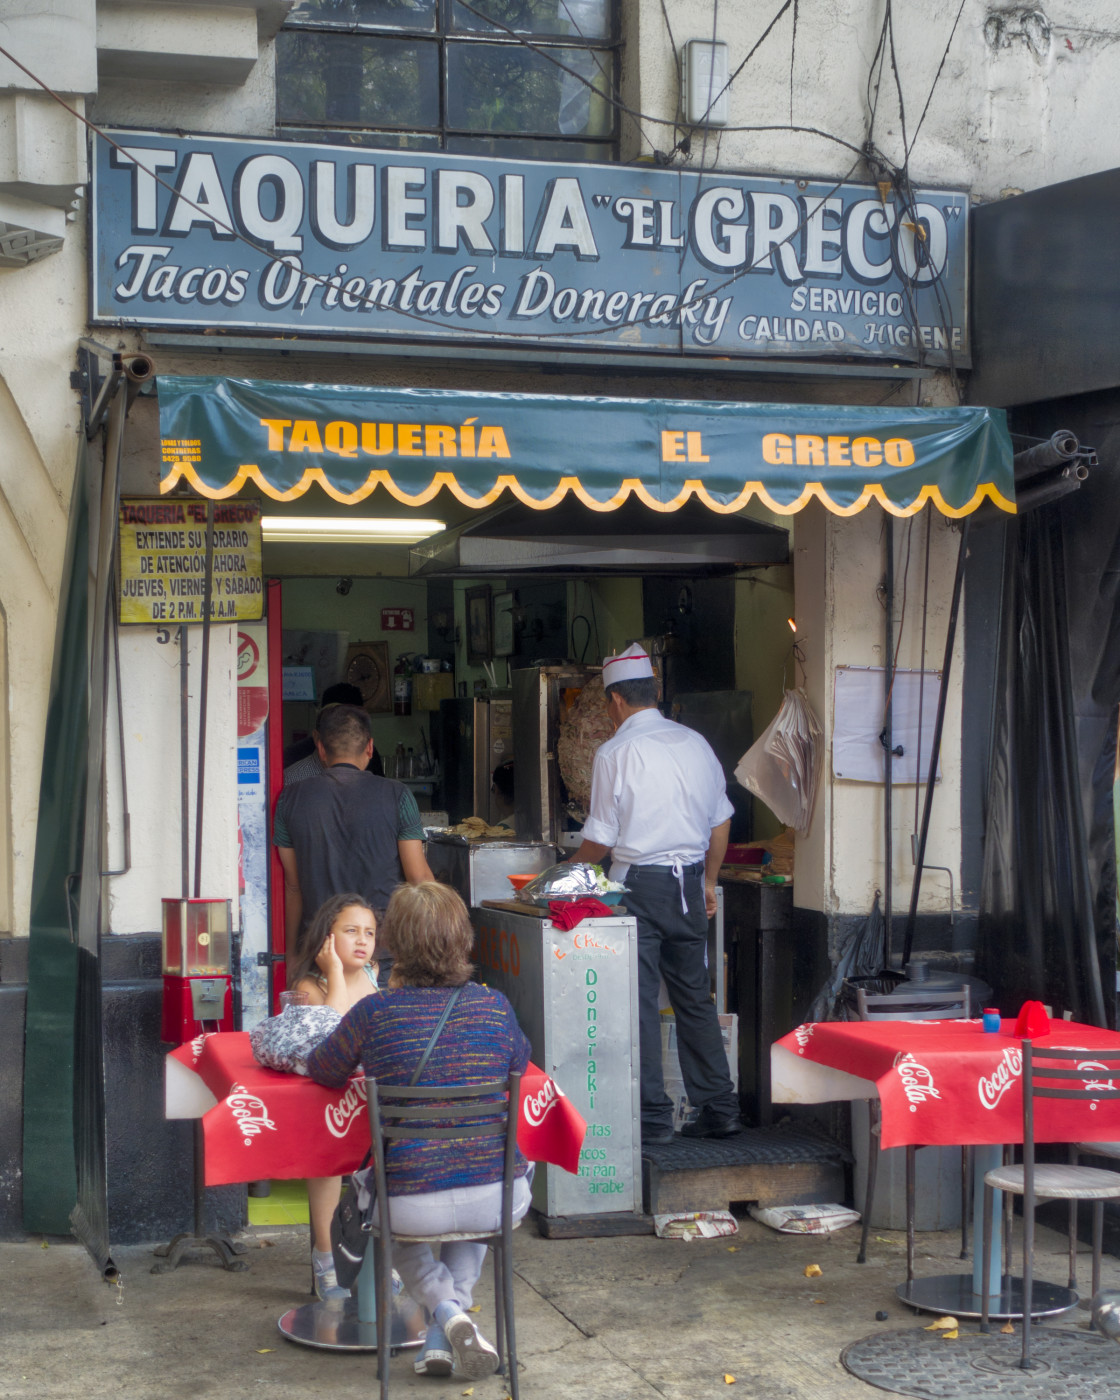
{"x":857,"y":753}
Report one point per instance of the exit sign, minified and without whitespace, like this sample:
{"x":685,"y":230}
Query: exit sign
{"x":398,"y":620}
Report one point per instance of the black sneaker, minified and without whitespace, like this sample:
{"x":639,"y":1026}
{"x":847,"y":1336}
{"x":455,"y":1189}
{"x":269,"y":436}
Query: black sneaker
{"x":707,"y":1124}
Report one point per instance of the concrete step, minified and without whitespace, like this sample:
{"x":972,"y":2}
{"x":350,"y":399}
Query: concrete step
{"x":768,"y":1166}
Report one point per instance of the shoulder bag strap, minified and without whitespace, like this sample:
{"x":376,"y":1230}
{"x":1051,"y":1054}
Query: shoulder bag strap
{"x":419,"y":1070}
{"x":451,"y":1000}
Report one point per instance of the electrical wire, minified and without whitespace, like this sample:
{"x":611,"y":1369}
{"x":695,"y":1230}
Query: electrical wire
{"x":583,"y":333}
{"x":750,"y":54}
{"x":896,"y":75}
{"x":936,"y":79}
{"x":901,"y":619}
{"x":707,"y":112}
{"x":640,"y":116}
{"x":581,"y":617}
{"x":875,"y":70}
{"x":594,"y":619}
{"x":608,"y":79}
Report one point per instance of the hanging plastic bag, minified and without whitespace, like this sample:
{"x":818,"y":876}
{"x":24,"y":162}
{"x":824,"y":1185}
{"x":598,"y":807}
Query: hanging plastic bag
{"x":783,"y":766}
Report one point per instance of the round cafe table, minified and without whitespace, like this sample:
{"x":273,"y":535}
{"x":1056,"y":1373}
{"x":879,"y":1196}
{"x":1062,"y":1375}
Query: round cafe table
{"x":946,"y":1083}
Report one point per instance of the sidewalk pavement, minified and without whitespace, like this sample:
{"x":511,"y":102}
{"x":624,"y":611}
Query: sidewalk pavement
{"x":629,"y":1318}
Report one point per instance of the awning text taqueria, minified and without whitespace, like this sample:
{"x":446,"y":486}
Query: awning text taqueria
{"x":220,"y":435}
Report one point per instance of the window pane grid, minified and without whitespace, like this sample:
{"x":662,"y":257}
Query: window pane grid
{"x":410,"y":73}
{"x":573,"y":21}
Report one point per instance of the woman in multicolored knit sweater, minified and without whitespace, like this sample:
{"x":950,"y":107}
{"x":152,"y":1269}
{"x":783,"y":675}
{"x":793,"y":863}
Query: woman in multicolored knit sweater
{"x":435,"y":1185}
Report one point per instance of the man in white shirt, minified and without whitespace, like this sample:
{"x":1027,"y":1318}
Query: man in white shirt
{"x":659,"y":804}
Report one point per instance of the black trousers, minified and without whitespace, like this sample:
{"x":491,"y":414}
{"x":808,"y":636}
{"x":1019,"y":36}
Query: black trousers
{"x":672,"y":945}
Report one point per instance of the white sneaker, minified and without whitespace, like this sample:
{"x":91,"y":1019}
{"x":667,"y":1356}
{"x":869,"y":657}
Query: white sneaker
{"x":327,"y":1287}
{"x":436,"y":1358}
{"x":474,"y":1356}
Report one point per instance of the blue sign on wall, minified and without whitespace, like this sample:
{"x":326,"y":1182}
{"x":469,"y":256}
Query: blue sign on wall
{"x":248,"y":765}
{"x":208,"y":232}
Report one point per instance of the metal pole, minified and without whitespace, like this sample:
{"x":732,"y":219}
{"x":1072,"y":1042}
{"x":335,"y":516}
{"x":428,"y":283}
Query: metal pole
{"x":184,"y":765}
{"x":935,"y":748}
{"x":202,"y":698}
{"x":888,"y":742}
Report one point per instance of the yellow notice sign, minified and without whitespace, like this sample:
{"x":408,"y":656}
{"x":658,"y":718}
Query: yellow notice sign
{"x":163,"y":561}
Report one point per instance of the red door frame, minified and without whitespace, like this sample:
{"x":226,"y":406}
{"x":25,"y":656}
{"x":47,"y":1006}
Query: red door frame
{"x":276,"y":784}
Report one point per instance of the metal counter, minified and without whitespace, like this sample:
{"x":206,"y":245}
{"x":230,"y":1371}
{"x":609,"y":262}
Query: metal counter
{"x":575,"y":994}
{"x":478,"y":869}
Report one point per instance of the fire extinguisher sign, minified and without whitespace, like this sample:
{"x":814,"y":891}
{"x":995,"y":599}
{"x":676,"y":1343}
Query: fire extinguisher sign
{"x":398,"y":620}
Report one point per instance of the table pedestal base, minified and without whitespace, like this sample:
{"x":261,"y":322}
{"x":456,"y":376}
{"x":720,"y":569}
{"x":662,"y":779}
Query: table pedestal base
{"x":337,"y":1326}
{"x":953,"y":1294}
{"x":170,"y":1255}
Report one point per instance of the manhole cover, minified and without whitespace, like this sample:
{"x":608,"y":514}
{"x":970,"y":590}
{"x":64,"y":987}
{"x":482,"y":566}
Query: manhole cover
{"x":1067,"y":1365}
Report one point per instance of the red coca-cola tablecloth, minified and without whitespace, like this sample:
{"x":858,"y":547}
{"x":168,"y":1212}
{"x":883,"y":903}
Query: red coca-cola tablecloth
{"x":951,"y":1082}
{"x":258,"y":1123}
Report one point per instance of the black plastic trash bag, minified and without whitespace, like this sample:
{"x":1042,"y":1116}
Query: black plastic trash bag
{"x":861,"y":964}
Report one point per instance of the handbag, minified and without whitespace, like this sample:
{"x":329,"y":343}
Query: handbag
{"x":284,"y":1042}
{"x":353,"y":1216}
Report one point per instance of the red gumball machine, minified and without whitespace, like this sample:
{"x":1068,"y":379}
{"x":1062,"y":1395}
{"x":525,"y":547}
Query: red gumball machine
{"x":197,"y":968}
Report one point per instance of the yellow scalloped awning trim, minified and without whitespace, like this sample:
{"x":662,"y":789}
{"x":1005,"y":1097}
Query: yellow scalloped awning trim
{"x":631,"y":486}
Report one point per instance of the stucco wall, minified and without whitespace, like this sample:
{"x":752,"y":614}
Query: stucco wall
{"x":152,"y":727}
{"x":840,"y":565}
{"x":43,"y":313}
{"x":1023,"y":100}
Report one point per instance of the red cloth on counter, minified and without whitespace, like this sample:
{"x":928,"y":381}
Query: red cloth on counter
{"x":566,"y":913}
{"x":268,"y":1124}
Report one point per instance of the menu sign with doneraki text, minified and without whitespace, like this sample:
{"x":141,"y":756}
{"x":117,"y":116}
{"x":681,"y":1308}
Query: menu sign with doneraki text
{"x":163,"y":561}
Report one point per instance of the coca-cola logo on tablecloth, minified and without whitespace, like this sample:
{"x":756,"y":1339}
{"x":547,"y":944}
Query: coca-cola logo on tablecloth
{"x":1087,"y":1066}
{"x":1009,"y":1069}
{"x":197,"y":1045}
{"x":340,"y":1115}
{"x":536,"y":1107}
{"x":917,"y":1081}
{"x":803,"y":1034}
{"x":250,"y":1114}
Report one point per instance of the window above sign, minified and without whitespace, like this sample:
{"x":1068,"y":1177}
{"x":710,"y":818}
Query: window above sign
{"x":526,"y":79}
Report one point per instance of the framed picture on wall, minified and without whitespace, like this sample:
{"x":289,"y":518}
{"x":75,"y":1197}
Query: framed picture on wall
{"x":479,"y":641}
{"x":367,"y":667}
{"x":504,"y":604}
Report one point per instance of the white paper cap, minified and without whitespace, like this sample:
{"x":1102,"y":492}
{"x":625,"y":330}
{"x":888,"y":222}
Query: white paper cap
{"x":630,"y":665}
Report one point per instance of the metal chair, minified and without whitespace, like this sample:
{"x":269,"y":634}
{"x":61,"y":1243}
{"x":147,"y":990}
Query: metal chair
{"x":452,"y":1114}
{"x":1041,"y":1068}
{"x":951,"y":1005}
{"x":1093,"y":1149}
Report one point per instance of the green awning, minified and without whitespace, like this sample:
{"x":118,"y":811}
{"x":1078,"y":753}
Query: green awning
{"x":223,"y":434}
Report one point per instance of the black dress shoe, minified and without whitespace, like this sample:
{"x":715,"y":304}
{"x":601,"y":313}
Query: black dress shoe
{"x":713,"y":1125}
{"x":654,"y":1137}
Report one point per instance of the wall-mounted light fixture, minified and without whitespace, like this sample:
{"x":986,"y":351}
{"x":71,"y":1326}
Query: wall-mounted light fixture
{"x":704,"y":75}
{"x":345,"y":529}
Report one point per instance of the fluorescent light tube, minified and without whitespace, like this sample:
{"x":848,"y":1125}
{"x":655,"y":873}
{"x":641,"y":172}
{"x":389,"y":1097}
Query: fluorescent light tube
{"x":345,"y":529}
